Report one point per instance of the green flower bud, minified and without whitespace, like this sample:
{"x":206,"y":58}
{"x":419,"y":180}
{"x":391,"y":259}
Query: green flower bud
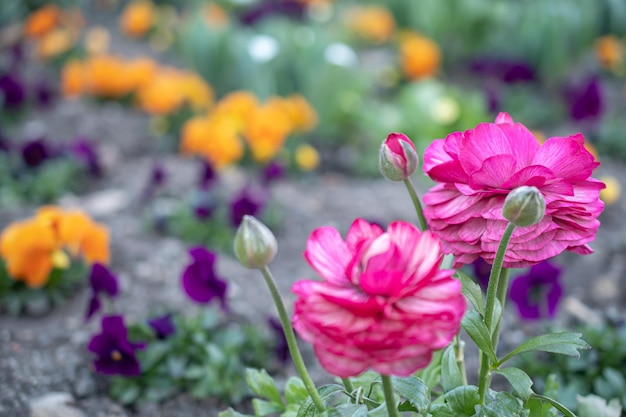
{"x":398,"y":157}
{"x":255,"y":244}
{"x":524,"y":206}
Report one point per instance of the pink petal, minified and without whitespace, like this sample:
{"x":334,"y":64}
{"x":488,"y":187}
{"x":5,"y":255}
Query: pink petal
{"x":360,"y":231}
{"x":566,"y":158}
{"x":328,"y":254}
{"x":486,"y":140}
{"x":494,"y":172}
{"x":503,"y":117}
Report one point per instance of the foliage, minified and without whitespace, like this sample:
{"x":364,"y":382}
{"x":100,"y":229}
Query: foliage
{"x":206,"y":357}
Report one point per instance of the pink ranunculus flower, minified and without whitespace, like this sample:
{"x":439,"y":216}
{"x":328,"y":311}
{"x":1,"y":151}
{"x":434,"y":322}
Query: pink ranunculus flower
{"x":477,"y":168}
{"x":383,"y":304}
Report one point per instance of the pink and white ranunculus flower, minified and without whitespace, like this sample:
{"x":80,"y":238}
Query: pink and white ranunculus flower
{"x":383,"y":304}
{"x":477,"y":168}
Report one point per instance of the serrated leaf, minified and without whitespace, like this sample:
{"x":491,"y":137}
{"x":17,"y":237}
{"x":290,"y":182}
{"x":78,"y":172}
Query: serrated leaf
{"x":451,"y":376}
{"x":477,"y":330}
{"x":348,"y":410}
{"x":564,"y":343}
{"x":263,"y":385}
{"x":554,"y":403}
{"x":471,"y":291}
{"x":232,"y":413}
{"x":502,"y":404}
{"x":412,"y":389}
{"x":463,"y":399}
{"x":594,"y":406}
{"x":519,"y":380}
{"x":295,"y":391}
{"x":265,"y":408}
{"x":326,"y":392}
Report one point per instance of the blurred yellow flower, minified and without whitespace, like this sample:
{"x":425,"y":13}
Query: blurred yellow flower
{"x":419,"y":56}
{"x":196,"y":91}
{"x":609,"y":52}
{"x":163,"y":94}
{"x":267,"y":130}
{"x":612,"y":192}
{"x":214,"y":138}
{"x":137,"y":18}
{"x":42,"y":21}
{"x":307,"y":158}
{"x":55,"y":42}
{"x":238,"y":105}
{"x":303,"y":117}
{"x":33,"y":247}
{"x":372,"y":23}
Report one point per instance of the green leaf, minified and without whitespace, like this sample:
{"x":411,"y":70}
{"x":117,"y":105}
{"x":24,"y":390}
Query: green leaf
{"x":308,"y":408}
{"x":265,"y":408}
{"x":594,"y":406}
{"x":451,"y":376}
{"x":263,"y":385}
{"x":443,"y":410}
{"x":555,"y":404}
{"x":502,"y":404}
{"x":565,"y":343}
{"x":463,"y":399}
{"x":538,"y":408}
{"x":232,"y":413}
{"x":413,"y":389}
{"x":477,"y":330}
{"x":471,"y":291}
{"x":348,"y":410}
{"x":518,"y":379}
{"x":295,"y":391}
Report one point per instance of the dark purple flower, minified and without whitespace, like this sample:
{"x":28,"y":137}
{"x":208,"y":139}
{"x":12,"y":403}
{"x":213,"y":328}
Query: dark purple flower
{"x":101,"y":281}
{"x":506,"y":70}
{"x":207,"y":175}
{"x":246,"y":202}
{"x":45,"y":94}
{"x":200,"y":280}
{"x":272,"y":172}
{"x":537,"y":293}
{"x":203,"y":204}
{"x":163,"y":326}
{"x":36,"y":152}
{"x":585,"y":100}
{"x":281,"y":348}
{"x":482,"y":270}
{"x":115,"y":353}
{"x":12,"y":93}
{"x":157,"y":178}
{"x":84,"y":150}
{"x":268,"y":8}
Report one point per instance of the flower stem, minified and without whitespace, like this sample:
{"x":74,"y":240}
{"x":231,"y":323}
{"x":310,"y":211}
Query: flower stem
{"x":484,"y":375}
{"x":347,"y":384}
{"x":296,"y":356}
{"x":416,"y":202}
{"x":459,"y":345}
{"x":389,"y":397}
{"x":503,"y":286}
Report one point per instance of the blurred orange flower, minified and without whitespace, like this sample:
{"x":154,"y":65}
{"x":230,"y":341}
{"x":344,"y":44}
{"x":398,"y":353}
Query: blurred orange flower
{"x":137,"y":18}
{"x":372,"y":23}
{"x":42,"y":21}
{"x":73,"y":82}
{"x":238,"y":105}
{"x":215,"y":16}
{"x":214,"y":138}
{"x":163,"y":94}
{"x":106,"y":77}
{"x":267,"y":130}
{"x":303,"y":116}
{"x":609,"y":51}
{"x":56,"y":42}
{"x":419,"y":56}
{"x":196,"y":91}
{"x":33,"y":247}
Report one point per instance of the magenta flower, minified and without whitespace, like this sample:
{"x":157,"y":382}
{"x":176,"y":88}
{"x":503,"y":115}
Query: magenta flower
{"x":397,"y":157}
{"x":115,"y":353}
{"x":102,"y":281}
{"x":477,"y":168}
{"x":163,"y":326}
{"x":383,"y":304}
{"x":200,"y":280}
{"x":538,"y":292}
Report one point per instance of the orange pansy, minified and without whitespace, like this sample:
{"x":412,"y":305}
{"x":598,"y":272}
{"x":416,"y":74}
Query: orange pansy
{"x":137,"y":18}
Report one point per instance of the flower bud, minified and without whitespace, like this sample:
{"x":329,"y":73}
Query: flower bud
{"x":524,"y":206}
{"x":398,"y":157}
{"x":255,"y":244}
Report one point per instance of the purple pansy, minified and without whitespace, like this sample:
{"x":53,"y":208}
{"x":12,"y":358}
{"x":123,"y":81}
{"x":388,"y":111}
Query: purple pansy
{"x":506,"y":70}
{"x":84,"y":150}
{"x":163,"y":326}
{"x":203,"y":204}
{"x":115,"y":353}
{"x":36,"y":152}
{"x":482,"y":270}
{"x":101,"y":280}
{"x":44,"y":93}
{"x":272,"y":172}
{"x":12,"y":92}
{"x":247,"y":202}
{"x":281,"y":348}
{"x":585,"y":100}
{"x":200,"y":280}
{"x":158,"y":176}
{"x":269,"y":8}
{"x":207,"y":175}
{"x":538,"y":292}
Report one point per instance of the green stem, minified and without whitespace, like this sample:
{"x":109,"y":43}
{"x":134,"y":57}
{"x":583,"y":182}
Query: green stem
{"x":501,"y":293}
{"x":416,"y":202}
{"x":390,"y":400}
{"x":459,"y":346}
{"x":484,"y":375}
{"x":296,"y":356}
{"x":348,"y":385}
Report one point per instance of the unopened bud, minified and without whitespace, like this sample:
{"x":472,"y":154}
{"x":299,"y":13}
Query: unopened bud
{"x":398,"y":157}
{"x":524,"y":206}
{"x":255,"y":244}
